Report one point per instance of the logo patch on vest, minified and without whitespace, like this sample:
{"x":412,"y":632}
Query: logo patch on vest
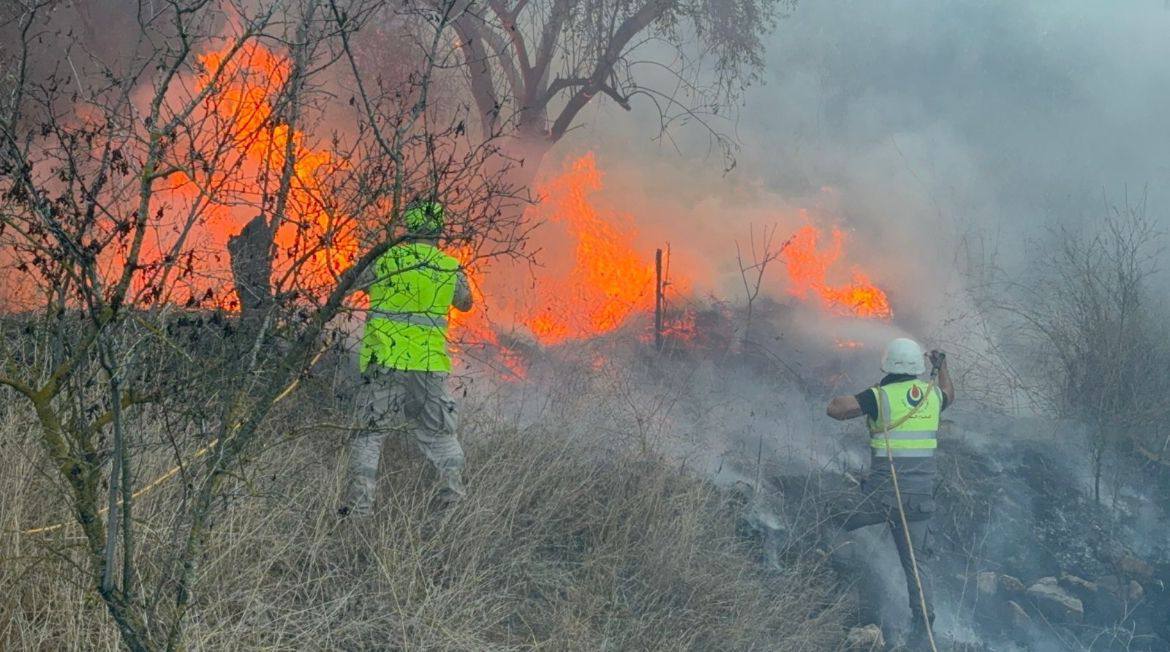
{"x":914,"y":395}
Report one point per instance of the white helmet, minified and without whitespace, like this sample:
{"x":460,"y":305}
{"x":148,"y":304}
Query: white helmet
{"x":903,"y":356}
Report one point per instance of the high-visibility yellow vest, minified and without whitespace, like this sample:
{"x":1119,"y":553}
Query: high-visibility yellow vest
{"x":911,"y":409}
{"x":406,"y":328}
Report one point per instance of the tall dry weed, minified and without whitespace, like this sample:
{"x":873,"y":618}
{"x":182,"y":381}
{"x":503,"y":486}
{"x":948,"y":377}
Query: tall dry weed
{"x":563,"y":544}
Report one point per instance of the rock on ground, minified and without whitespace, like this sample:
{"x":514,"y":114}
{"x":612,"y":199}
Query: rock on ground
{"x":865,"y":638}
{"x":987,"y":583}
{"x":1056,"y":603}
{"x":1020,"y":618}
{"x":1077,"y":586}
{"x":1010,"y":585}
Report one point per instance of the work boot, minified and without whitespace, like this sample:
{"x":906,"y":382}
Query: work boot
{"x":451,"y":487}
{"x":918,"y":638}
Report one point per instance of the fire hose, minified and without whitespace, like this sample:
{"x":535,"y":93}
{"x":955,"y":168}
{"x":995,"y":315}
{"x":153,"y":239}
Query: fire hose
{"x":886,"y":427}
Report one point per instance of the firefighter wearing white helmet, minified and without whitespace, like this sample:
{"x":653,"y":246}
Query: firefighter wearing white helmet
{"x":404,"y":361}
{"x":903,"y":356}
{"x":902,"y":413}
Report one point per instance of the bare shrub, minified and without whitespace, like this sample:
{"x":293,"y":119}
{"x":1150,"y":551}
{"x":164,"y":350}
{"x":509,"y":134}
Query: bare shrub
{"x":1088,"y":321}
{"x":123,"y":341}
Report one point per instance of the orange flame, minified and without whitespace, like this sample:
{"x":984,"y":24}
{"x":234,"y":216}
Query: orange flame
{"x":314,"y":243}
{"x":472,"y":329}
{"x":594,"y":281}
{"x":607,"y":282}
{"x":808,"y":269}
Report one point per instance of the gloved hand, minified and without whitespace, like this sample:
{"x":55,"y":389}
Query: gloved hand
{"x":938,"y":359}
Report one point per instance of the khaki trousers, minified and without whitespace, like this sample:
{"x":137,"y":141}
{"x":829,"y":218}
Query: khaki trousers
{"x":412,"y":403}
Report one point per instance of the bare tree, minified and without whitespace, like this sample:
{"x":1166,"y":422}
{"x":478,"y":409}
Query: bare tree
{"x":533,"y":65}
{"x":763,"y":251}
{"x":1089,"y":314}
{"x":115,"y":171}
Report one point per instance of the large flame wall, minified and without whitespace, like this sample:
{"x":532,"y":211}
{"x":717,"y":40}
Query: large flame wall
{"x":590,"y":277}
{"x":593,"y":273}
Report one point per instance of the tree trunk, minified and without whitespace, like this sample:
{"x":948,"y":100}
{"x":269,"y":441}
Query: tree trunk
{"x":251,"y":262}
{"x":523,"y":155}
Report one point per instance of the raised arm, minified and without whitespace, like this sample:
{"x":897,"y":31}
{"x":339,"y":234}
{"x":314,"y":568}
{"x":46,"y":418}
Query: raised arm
{"x":939,"y":360}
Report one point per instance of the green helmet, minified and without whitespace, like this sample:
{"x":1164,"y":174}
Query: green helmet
{"x":424,"y":218}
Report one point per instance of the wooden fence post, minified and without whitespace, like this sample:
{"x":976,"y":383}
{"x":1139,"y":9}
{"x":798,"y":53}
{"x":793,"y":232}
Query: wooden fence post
{"x":658,"y":300}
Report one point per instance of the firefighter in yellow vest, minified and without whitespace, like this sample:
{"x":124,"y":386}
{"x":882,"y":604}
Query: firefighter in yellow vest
{"x":404,"y":361}
{"x":907,"y":409}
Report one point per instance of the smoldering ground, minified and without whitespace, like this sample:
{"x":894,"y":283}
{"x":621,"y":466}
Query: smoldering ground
{"x":1014,"y":496}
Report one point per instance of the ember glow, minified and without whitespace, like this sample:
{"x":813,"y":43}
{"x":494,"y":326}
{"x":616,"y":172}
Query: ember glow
{"x":809,"y":269}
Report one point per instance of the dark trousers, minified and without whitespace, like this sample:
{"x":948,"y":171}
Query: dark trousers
{"x":877,"y":504}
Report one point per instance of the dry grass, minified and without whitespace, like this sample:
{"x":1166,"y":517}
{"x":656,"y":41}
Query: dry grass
{"x":563,"y":545}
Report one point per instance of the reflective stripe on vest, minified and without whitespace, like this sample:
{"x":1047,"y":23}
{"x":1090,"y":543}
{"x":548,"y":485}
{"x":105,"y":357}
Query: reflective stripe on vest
{"x":413,"y":318}
{"x":912,"y":414}
{"x":406,"y":328}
